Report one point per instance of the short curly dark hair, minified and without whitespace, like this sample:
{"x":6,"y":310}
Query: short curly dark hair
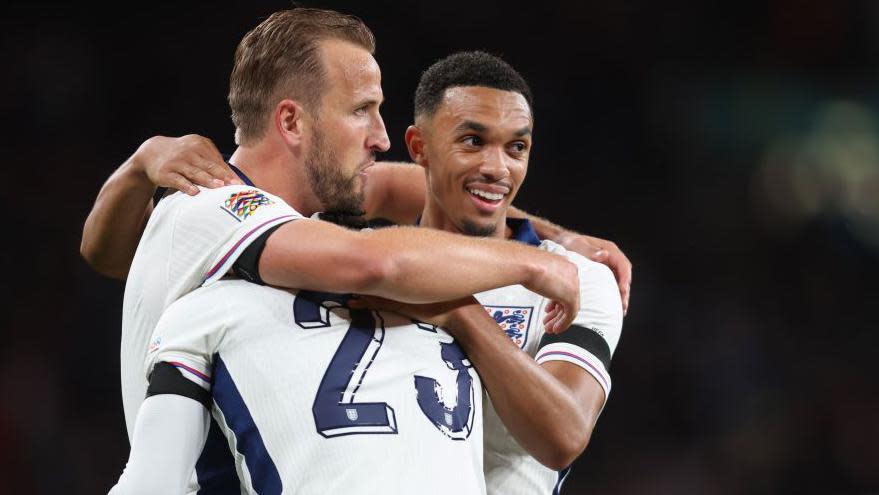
{"x":473,"y":68}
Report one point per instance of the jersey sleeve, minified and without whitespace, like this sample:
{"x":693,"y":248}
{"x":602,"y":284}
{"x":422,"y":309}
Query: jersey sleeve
{"x":188,"y":335}
{"x":593,"y":337}
{"x":169,"y":435}
{"x":211,"y":229}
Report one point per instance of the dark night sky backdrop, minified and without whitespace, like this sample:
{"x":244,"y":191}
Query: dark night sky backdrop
{"x":731,"y":149}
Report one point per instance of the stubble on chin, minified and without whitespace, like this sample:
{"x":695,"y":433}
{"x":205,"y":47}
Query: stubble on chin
{"x":475,"y":230}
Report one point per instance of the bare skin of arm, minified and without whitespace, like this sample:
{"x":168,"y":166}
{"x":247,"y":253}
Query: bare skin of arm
{"x":401,"y":263}
{"x":395,"y":191}
{"x":594,"y":248}
{"x":549,"y":409}
{"x":124,"y":204}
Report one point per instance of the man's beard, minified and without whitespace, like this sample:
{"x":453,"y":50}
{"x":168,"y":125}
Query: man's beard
{"x":337,"y":194}
{"x":471,"y":229}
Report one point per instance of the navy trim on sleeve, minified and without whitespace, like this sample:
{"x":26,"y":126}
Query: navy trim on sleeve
{"x":167,"y":379}
{"x":247,"y":264}
{"x":581,"y":337}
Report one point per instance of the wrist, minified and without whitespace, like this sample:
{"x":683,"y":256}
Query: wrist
{"x":564,"y":238}
{"x":147,"y":153}
{"x":133,"y":175}
{"x":467,"y":319}
{"x":537,"y":269}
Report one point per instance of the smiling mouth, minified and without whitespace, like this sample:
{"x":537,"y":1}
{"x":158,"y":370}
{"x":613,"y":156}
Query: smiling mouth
{"x":490,"y":197}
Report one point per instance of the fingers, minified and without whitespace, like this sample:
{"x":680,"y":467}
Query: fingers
{"x":211,"y":161}
{"x":550,"y":321}
{"x":218,"y":170}
{"x":557,"y":318}
{"x":608,"y":253}
{"x":201,"y":177}
{"x":180,"y":183}
{"x":622,"y":268}
{"x":556,"y":324}
{"x":192,"y":157}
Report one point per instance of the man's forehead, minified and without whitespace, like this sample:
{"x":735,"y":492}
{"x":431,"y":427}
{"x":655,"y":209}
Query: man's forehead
{"x":352,"y":68}
{"x":486,"y":106}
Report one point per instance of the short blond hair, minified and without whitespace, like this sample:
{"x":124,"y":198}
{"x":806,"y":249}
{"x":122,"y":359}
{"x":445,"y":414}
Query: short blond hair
{"x":280,"y":59}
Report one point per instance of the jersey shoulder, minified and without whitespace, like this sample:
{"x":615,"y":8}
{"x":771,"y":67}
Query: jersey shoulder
{"x":237,"y":202}
{"x":599,"y":276}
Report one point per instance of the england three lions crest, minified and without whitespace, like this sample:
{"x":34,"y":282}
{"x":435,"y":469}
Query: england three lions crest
{"x":515,"y":320}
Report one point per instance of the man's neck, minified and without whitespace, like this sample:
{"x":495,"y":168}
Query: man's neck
{"x":278,"y":173}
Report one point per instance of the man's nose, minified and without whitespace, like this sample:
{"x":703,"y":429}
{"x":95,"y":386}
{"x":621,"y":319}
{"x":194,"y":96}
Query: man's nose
{"x":495,"y":164}
{"x":378,"y":137}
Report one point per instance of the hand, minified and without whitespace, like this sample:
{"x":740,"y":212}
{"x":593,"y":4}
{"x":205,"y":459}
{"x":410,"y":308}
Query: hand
{"x":442,"y":314}
{"x":559,"y":281}
{"x":604,"y":252}
{"x":182,"y":163}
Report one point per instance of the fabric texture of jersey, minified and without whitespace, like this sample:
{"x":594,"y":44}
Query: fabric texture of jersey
{"x":189,"y":241}
{"x":315,"y":398}
{"x":509,"y":469}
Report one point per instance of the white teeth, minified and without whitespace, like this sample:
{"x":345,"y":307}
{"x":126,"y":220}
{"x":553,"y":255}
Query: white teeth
{"x":487,"y":195}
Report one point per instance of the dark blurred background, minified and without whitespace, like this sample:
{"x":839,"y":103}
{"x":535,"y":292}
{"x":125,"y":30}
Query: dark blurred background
{"x":731,"y":149}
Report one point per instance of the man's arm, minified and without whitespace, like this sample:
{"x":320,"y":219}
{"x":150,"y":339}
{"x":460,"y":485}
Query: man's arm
{"x":124,"y":204}
{"x":549,"y":403}
{"x":549,"y":409}
{"x":394,"y":191}
{"x":593,"y":248}
{"x":412,"y":265}
{"x":169,"y":436}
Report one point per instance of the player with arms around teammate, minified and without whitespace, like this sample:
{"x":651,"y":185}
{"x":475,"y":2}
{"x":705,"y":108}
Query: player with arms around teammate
{"x":473,"y":136}
{"x":308,"y":135}
{"x":479,"y":102}
{"x":305,"y":94}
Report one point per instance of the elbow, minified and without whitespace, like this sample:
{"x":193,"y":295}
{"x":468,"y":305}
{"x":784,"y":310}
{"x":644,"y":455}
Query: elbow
{"x":565,"y":447}
{"x":99,"y":262}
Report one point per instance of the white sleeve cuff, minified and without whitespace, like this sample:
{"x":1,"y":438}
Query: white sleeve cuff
{"x":561,"y":351}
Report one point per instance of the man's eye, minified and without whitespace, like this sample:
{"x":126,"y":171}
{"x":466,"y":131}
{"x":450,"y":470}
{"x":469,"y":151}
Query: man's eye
{"x":519,"y":147}
{"x":472,"y":140}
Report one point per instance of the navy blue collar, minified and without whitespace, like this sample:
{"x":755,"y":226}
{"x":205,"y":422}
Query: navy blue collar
{"x":521,"y":228}
{"x":523,"y":231}
{"x":241,"y":175}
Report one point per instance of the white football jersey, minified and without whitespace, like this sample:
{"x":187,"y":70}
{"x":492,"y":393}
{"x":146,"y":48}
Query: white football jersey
{"x":314,"y":398}
{"x":189,"y":241}
{"x":509,"y":469}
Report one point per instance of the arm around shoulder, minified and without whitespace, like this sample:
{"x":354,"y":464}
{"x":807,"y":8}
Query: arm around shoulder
{"x":408,"y":264}
{"x":117,"y":219}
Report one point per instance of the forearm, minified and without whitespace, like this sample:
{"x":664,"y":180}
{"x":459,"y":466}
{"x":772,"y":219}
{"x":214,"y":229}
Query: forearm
{"x":169,"y":435}
{"x":431,"y":265}
{"x":114,"y":226}
{"x":403,"y":263}
{"x":539,"y":410}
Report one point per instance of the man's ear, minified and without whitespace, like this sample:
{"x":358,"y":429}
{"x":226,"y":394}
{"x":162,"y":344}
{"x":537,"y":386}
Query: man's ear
{"x":289,"y":121}
{"x":415,"y":145}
